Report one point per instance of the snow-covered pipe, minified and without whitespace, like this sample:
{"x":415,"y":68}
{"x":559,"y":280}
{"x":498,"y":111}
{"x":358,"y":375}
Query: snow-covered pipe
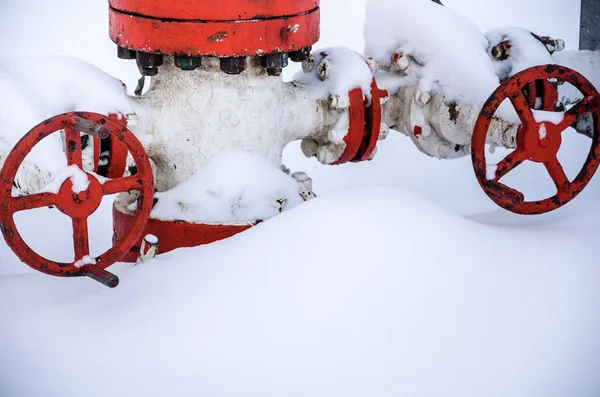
{"x":195,"y":115}
{"x":438,"y":128}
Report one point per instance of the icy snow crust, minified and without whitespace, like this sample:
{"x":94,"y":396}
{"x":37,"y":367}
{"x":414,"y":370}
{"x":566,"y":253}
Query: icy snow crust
{"x":232,"y":187}
{"x":449,"y":49}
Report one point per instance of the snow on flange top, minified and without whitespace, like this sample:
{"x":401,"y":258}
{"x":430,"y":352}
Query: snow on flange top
{"x":449,"y":49}
{"x":233,"y":187}
{"x":346,"y":70}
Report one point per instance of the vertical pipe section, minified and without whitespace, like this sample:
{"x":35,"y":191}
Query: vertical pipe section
{"x":589,"y":37}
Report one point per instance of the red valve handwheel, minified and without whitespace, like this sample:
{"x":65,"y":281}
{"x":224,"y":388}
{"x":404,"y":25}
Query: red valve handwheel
{"x":81,"y":205}
{"x":533,"y":145}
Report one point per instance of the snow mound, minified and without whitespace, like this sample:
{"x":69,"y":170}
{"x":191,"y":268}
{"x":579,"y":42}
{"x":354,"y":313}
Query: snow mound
{"x":59,"y":84}
{"x":450,"y":51}
{"x":232,"y":187}
{"x":36,"y":88}
{"x":371,"y":292}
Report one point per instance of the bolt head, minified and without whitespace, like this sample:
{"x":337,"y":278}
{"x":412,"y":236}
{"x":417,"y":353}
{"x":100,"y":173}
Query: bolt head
{"x":308,"y":64}
{"x":422,"y":98}
{"x":309,"y":147}
{"x":323,"y":70}
{"x":384,"y":131}
{"x":400,"y":62}
{"x":338,"y":102}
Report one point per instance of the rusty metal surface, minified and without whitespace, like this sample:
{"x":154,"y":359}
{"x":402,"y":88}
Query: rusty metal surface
{"x":531,"y":146}
{"x":207,"y":10}
{"x":100,"y":275}
{"x":77,"y":206}
{"x":214,"y":38}
{"x":171,"y":234}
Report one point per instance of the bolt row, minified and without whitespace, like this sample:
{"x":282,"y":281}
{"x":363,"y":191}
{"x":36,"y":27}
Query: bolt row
{"x":148,"y":63}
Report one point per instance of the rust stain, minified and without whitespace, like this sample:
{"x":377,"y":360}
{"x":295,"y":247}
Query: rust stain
{"x":454,"y":112}
{"x":217,"y":37}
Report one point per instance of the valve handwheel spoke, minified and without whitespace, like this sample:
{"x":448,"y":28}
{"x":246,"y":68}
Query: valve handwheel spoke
{"x":537,"y":141}
{"x":120,"y":185}
{"x":557,"y":173}
{"x":574,"y":114}
{"x":32,"y":201}
{"x":521,"y":105}
{"x":510,"y":162}
{"x":74,"y":202}
{"x":80,"y":237}
{"x":73,"y":147}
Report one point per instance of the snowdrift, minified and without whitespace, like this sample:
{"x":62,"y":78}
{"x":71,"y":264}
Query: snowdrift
{"x":367,"y":292}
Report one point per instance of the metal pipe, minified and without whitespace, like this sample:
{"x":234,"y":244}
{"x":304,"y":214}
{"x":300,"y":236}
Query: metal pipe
{"x":589,"y":36}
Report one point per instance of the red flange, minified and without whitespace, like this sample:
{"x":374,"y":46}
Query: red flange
{"x":231,"y":38}
{"x":78,"y":205}
{"x":364,"y":125}
{"x":356,"y":127}
{"x":372,"y":124}
{"x":536,"y":141}
{"x":207,"y":10}
{"x":171,"y":234}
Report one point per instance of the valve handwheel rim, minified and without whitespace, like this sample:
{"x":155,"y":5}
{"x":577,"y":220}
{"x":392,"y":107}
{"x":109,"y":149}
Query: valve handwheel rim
{"x":76,"y":203}
{"x":533,"y":145}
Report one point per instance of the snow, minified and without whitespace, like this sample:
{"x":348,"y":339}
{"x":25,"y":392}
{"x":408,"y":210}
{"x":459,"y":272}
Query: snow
{"x":287,"y":310}
{"x":38,"y":87}
{"x":232,"y":187}
{"x":367,"y":291}
{"x":78,"y":178}
{"x":86,"y":260}
{"x":525,"y":52}
{"x":586,"y":63}
{"x":455,"y":64}
{"x":59,"y":83}
{"x":541,"y":116}
{"x":343,"y":70}
{"x":490,"y":171}
{"x":543,"y":131}
{"x":151,"y":238}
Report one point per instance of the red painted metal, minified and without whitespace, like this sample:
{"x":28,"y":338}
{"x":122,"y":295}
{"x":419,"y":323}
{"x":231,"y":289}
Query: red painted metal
{"x":546,"y":92}
{"x":356,"y":128}
{"x":364,"y":126}
{"x":171,"y":234}
{"x":533,"y":147}
{"x":77,"y":206}
{"x":96,"y":160}
{"x":117,"y":160}
{"x":549,"y":96}
{"x":214,"y":38}
{"x":207,"y":10}
{"x":372,"y":124}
